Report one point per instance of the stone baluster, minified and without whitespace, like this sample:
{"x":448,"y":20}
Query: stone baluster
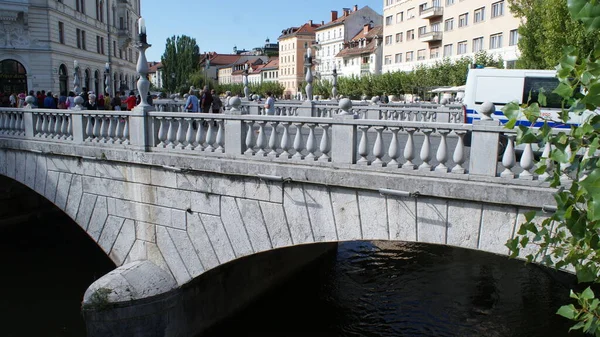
{"x":409,"y":150}
{"x":2,"y":122}
{"x":362,"y":146}
{"x":261,"y":140}
{"x":119,"y":131}
{"x":126,"y":131}
{"x":298,"y":142}
{"x":162,"y":133}
{"x":58,"y":126}
{"x":378,"y":151}
{"x":38,"y":125}
{"x":44,"y":125}
{"x":459,"y":153}
{"x":285,"y":141}
{"x":394,"y":149}
{"x":210,"y":136}
{"x":111,"y":129}
{"x":311,"y":143}
{"x":70,"y":127}
{"x":546,"y":161}
{"x":527,"y":163}
{"x":51,"y":124}
{"x":189,"y":135}
{"x":64,"y":126}
{"x":324,"y":145}
{"x":426,"y":150}
{"x":249,"y":138}
{"x":273,"y":139}
{"x":171,"y":134}
{"x":104,"y":129}
{"x":180,"y":134}
{"x":199,"y":136}
{"x":89,"y":128}
{"x":442,"y":152}
{"x":96,"y":131}
{"x":220,"y":136}
{"x":509,"y":158}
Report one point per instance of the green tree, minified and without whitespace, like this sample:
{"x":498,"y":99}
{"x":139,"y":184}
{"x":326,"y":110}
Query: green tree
{"x":547,"y":27}
{"x":570,"y":237}
{"x":179,"y":60}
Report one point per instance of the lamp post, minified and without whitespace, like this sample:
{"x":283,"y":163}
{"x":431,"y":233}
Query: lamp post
{"x":143,"y":84}
{"x":309,"y":75}
{"x":206,"y":70}
{"x":245,"y":80}
{"x":76,"y":80}
{"x":107,"y":79}
{"x":334,"y":90}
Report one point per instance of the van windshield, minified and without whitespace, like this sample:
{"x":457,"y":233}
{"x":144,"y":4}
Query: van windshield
{"x":533,"y":85}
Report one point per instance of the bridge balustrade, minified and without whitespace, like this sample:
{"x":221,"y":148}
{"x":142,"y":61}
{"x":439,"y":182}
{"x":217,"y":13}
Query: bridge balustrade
{"x":422,"y":145}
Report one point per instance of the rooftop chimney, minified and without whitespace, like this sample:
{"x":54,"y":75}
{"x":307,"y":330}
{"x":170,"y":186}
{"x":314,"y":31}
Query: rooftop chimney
{"x":310,"y":23}
{"x":322,"y":23}
{"x":366,"y":28}
{"x":355,"y":8}
{"x":346,"y":11}
{"x":333,"y":15}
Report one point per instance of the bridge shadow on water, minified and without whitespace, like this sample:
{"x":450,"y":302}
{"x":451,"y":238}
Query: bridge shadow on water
{"x":47,"y":262}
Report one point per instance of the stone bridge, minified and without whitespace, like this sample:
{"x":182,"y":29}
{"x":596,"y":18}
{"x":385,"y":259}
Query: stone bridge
{"x":169,"y":196}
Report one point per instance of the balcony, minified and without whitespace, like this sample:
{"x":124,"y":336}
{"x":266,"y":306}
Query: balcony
{"x":431,"y":37}
{"x":432,"y":12}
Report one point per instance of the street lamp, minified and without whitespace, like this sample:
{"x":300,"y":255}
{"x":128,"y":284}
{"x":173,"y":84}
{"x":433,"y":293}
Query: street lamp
{"x":76,"y":83}
{"x":107,"y":79}
{"x":206,"y":70}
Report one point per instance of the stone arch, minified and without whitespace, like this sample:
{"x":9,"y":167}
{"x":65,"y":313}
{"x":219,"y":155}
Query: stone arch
{"x":15,"y":76}
{"x":63,"y":80}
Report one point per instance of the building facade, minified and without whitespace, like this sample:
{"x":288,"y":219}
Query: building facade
{"x":330,"y":37}
{"x":423,"y":32}
{"x":362,"y":55}
{"x":293,"y":44}
{"x":40,"y":40}
{"x":155,"y":74}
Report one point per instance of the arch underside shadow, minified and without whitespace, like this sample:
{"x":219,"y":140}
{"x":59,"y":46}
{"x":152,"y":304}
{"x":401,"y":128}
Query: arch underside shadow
{"x":190,"y":222}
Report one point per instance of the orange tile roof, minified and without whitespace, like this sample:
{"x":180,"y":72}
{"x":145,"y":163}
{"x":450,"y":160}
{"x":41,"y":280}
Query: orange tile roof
{"x":306,"y":29}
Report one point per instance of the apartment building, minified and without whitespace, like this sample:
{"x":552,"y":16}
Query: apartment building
{"x":362,"y":54}
{"x":293,"y":44}
{"x":331,"y":37}
{"x":423,"y":32}
{"x":44,"y":38}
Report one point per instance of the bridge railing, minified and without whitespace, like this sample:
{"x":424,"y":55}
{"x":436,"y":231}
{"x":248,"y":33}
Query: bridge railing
{"x":427,"y":147}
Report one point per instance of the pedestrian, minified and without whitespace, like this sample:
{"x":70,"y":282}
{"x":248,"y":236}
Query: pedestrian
{"x":62,"y":102}
{"x":100,"y":102}
{"x":13,"y":100}
{"x":115,"y":102}
{"x":107,"y":105}
{"x":206,"y":101}
{"x":70,"y":103}
{"x":269,"y":104}
{"x":216,"y":104}
{"x":191,"y":103}
{"x":21,"y":102}
{"x":91,"y":103}
{"x":49,"y":102}
{"x":130,"y":101}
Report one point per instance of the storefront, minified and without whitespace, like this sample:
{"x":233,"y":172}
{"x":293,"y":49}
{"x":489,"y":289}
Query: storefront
{"x":13,"y":77}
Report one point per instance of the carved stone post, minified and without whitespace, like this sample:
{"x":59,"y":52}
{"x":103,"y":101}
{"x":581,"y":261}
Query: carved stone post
{"x":334,"y":90}
{"x":309,"y":75}
{"x":484,"y":143}
{"x":245,"y":81}
{"x":76,"y":80}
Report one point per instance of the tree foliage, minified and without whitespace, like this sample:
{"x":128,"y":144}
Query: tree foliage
{"x":179,"y":60}
{"x":546,"y":28}
{"x":570,"y":237}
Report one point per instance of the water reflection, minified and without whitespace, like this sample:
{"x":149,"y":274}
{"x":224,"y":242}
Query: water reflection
{"x":410,"y":289}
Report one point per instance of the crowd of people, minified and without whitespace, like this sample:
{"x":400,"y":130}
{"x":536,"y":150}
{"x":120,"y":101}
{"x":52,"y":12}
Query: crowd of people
{"x":91,"y":101}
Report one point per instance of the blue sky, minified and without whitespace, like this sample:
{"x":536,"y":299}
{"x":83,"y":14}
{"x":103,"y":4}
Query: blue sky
{"x":220,"y":25}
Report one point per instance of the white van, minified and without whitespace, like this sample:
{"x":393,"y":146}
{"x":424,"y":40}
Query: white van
{"x":501,"y":86}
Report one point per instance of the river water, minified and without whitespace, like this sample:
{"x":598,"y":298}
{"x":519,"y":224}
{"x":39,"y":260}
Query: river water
{"x":363,"y":289}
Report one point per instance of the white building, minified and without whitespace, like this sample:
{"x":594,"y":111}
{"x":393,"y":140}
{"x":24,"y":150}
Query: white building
{"x":362,"y":54}
{"x":330,"y":37}
{"x":155,"y":74}
{"x":423,"y":32}
{"x":41,"y":39}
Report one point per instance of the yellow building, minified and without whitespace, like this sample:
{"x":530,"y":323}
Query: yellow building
{"x":423,"y":32}
{"x":293,"y":44}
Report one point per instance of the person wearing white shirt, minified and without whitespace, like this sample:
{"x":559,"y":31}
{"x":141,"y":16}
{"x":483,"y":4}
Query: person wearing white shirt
{"x":270,"y":104}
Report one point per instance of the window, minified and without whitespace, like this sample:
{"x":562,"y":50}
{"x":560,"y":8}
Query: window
{"x":99,"y":10}
{"x":435,"y":27}
{"x":420,"y":55}
{"x":422,"y":30}
{"x":434,"y":53}
{"x":422,"y":7}
{"x":398,"y":58}
{"x":98,"y":44}
{"x":130,"y":55}
{"x":447,"y":50}
{"x":388,"y":40}
{"x":115,"y":48}
{"x":410,"y":35}
{"x":496,"y":41}
{"x":80,"y":6}
{"x":513,"y":39}
{"x":498,"y":9}
{"x":389,"y":20}
{"x":61,"y":32}
{"x":449,"y":25}
{"x":461,"y":48}
{"x":387,"y":59}
{"x":399,"y":37}
{"x":389,"y":2}
{"x":479,"y":15}
{"x":449,"y":2}
{"x":535,"y":85}
{"x":477,"y":44}
{"x":78,"y":33}
{"x":463,"y":20}
{"x":410,"y":13}
{"x":409,"y":56}
{"x":399,"y":17}
{"x":83,"y":40}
